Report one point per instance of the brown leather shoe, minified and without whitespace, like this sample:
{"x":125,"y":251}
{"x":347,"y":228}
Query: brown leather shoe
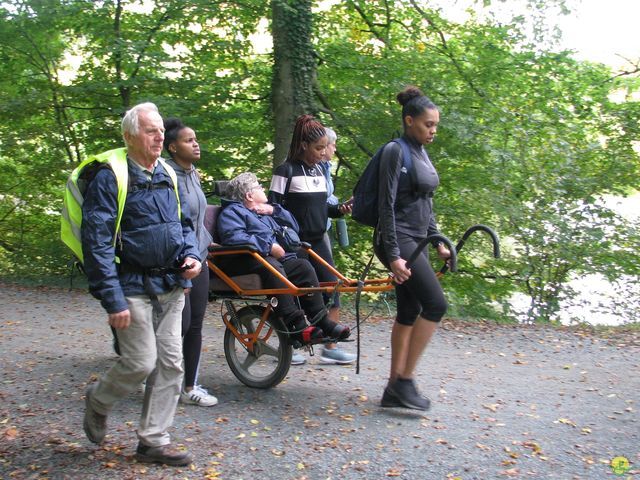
{"x":165,"y":454}
{"x":95,"y":424}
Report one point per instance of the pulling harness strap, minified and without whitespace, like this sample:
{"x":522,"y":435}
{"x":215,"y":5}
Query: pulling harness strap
{"x":147,"y":273}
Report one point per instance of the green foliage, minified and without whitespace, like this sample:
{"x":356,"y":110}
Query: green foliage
{"x":529,"y":142}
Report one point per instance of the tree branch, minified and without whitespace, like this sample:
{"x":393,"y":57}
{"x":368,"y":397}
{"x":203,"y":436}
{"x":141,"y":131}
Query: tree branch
{"x":372,"y":26}
{"x":447,"y":51}
{"x":339,"y":123}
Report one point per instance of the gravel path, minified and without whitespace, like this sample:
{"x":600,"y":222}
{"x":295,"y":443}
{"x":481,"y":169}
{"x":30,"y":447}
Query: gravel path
{"x":508,"y":402}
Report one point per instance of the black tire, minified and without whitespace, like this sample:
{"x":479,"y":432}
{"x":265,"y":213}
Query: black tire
{"x":269,"y":364}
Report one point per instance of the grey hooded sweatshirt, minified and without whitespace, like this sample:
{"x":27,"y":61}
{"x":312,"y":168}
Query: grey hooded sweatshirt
{"x":189,"y":185}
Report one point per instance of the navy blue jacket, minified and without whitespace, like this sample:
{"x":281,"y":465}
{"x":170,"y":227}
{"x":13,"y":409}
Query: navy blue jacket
{"x":152,"y":236}
{"x":237,"y":225}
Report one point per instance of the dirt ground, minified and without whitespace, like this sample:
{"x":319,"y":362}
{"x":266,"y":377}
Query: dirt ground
{"x":508,"y":402}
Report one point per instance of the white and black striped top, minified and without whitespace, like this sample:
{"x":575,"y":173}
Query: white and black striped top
{"x":306,"y":197}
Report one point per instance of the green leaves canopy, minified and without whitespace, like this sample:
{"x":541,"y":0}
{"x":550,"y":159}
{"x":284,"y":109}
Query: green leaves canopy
{"x":529,"y":140}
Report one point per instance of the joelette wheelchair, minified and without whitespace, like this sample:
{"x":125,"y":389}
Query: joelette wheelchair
{"x":257,"y":344}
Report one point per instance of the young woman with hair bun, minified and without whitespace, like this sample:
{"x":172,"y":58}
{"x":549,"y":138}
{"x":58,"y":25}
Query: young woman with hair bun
{"x":405,"y":218}
{"x":184,"y":151}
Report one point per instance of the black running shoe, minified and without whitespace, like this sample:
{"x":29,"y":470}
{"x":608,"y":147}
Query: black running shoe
{"x":406,"y":393}
{"x":389,"y":400}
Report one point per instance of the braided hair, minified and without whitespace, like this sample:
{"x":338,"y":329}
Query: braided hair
{"x":306,"y":130}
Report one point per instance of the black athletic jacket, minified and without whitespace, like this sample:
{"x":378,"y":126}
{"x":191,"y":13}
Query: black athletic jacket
{"x":405,"y":206}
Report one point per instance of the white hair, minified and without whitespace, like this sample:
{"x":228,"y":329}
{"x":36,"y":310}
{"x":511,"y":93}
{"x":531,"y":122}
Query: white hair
{"x":130,"y":122}
{"x":331,"y":135}
{"x":239,"y":186}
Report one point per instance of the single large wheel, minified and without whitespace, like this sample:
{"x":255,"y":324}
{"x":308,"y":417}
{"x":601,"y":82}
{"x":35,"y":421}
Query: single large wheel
{"x":268,"y":363}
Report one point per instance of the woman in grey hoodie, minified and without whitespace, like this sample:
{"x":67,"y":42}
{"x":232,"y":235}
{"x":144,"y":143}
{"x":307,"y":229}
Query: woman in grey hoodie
{"x":182,"y":146}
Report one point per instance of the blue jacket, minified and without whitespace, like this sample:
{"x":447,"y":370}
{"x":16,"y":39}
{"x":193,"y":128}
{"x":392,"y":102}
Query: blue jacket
{"x":237,"y":225}
{"x":152,"y":236}
{"x":325,"y":166}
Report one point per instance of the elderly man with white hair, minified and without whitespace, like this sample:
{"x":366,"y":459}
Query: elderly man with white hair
{"x":140,"y":279}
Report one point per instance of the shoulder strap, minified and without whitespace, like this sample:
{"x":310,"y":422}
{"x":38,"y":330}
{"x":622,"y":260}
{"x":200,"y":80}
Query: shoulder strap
{"x":407,"y":161}
{"x":174,"y":179}
{"x":289,"y":171}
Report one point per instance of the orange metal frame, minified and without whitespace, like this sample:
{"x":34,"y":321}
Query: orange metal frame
{"x":248,"y":340}
{"x":343,"y":284}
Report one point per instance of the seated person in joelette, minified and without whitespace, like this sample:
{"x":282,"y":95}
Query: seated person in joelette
{"x":247,"y":219}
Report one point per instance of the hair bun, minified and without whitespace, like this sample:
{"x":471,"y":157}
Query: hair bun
{"x":173,"y":123}
{"x":408,"y":94}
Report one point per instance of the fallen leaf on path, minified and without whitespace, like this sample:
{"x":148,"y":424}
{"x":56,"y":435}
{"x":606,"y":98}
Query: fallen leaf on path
{"x":512,"y":472}
{"x":393,"y":472}
{"x":566,"y":421}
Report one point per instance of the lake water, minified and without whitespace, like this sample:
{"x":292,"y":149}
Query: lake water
{"x":600,"y":302}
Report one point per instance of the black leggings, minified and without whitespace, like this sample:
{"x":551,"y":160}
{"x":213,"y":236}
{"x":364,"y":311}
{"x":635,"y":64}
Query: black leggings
{"x":421,"y":294}
{"x":192,"y":318}
{"x":298,"y":270}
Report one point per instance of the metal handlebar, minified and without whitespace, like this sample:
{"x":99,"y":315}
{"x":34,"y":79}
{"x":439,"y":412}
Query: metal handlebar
{"x":453,"y":260}
{"x":470,"y":230}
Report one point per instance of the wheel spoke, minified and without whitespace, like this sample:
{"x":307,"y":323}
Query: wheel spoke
{"x":249,"y":360}
{"x":267,"y":349}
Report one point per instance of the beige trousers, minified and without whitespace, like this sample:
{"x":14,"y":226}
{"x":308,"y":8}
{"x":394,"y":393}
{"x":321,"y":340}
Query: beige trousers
{"x":151,"y":349}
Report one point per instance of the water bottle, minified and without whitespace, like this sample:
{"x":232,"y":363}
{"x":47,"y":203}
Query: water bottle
{"x":341,"y":232}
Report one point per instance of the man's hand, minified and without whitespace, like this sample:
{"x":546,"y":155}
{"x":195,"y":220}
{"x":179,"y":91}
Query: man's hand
{"x":120,"y":320}
{"x":263,"y":209}
{"x":400,"y":271}
{"x":277,"y":251}
{"x":192,"y":268}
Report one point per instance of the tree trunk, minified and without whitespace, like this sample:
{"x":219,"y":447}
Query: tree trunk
{"x":294,"y":69}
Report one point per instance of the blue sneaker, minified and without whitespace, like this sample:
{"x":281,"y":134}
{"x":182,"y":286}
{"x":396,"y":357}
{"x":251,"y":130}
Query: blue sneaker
{"x":297,"y":359}
{"x":336,"y":355}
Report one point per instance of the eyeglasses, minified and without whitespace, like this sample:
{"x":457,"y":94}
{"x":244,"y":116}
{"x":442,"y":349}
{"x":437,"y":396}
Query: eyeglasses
{"x":257,"y":187}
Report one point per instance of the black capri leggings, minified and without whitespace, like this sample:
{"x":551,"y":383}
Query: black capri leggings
{"x":421,"y":294}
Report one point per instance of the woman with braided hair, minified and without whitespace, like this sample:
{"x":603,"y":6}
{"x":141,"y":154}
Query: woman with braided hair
{"x":300,"y":186}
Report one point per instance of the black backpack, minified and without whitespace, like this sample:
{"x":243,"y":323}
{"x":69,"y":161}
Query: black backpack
{"x":365,"y":193}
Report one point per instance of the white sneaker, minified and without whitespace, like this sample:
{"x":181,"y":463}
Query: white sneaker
{"x":198,"y":396}
{"x":336,"y":356}
{"x":297,"y":359}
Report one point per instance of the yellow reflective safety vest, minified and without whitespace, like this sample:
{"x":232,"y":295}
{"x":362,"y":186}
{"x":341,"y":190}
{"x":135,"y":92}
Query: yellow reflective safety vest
{"x":71,"y":219}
